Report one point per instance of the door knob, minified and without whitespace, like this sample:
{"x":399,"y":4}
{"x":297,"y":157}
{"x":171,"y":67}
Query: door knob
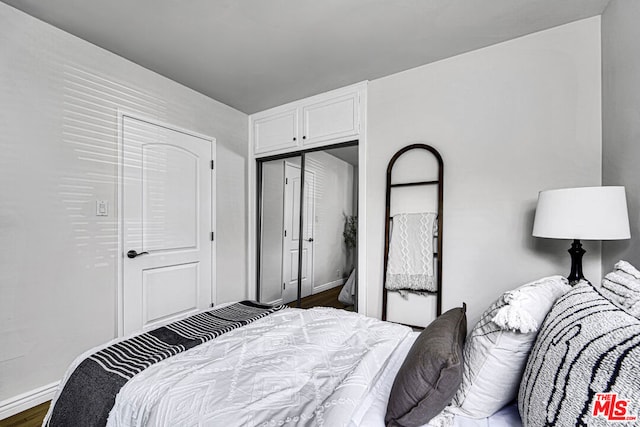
{"x":310,"y":239}
{"x":132,"y":253}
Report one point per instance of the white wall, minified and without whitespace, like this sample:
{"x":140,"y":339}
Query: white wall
{"x":59,"y":99}
{"x":621,"y":120}
{"x":509,"y":120}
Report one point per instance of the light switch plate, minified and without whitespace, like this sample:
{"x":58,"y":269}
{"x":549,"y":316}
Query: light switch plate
{"x":102,"y":208}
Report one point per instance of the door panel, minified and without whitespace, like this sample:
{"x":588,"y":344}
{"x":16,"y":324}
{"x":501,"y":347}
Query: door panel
{"x":169,"y":291}
{"x":305,"y":268}
{"x":167,"y":218}
{"x":169,"y":198}
{"x":294,"y":267}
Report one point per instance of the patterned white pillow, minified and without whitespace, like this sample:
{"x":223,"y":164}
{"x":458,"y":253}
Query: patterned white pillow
{"x":496,"y":351}
{"x":583,"y":367}
{"x":622,"y":287}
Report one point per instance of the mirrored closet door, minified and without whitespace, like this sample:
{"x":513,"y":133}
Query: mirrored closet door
{"x":307,"y":209}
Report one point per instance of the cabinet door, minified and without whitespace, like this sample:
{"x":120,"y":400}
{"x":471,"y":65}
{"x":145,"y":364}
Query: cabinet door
{"x":330,"y":119}
{"x":275,"y":130}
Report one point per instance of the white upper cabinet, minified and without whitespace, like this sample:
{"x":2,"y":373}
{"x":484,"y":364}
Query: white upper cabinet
{"x":275,"y":129}
{"x":324,"y":119}
{"x":330,"y":119}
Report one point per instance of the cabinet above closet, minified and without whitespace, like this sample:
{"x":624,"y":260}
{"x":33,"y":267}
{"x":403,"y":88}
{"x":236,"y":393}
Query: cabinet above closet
{"x":331,"y":117}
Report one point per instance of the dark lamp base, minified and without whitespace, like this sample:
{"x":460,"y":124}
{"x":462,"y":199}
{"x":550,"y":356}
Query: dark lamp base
{"x":576,"y":253}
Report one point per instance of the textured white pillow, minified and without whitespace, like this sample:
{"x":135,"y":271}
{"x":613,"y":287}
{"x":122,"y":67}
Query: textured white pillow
{"x":496,"y":351}
{"x":622,"y":287}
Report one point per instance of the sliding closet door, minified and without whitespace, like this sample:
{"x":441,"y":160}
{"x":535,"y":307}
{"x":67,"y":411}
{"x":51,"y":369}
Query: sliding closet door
{"x":307,"y":216}
{"x":334,"y":202}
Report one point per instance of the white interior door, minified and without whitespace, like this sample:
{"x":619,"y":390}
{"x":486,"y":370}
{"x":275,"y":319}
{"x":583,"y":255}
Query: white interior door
{"x":167,"y":184}
{"x":291,"y":233}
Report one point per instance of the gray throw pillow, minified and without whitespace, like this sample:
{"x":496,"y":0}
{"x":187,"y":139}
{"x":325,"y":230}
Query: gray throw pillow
{"x":431,"y":373}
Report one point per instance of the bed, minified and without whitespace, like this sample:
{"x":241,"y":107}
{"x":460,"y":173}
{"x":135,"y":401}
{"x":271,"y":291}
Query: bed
{"x":330,"y":367}
{"x":320,"y":366}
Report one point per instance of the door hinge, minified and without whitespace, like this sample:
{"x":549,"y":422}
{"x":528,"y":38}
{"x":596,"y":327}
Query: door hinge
{"x":284,"y":286}
{"x":285,"y":233}
{"x":213,"y":236}
{"x":286,"y":181}
{"x":213,"y":164}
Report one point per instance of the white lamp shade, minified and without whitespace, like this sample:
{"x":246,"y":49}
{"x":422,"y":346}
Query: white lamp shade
{"x":586,"y":213}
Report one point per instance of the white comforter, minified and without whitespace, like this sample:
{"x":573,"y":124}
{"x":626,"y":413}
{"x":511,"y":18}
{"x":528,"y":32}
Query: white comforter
{"x":294,"y":367}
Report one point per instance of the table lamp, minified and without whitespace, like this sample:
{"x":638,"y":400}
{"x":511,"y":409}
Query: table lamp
{"x":585,"y":213}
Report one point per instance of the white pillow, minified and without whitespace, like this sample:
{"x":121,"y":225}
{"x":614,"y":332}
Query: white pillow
{"x":496,"y":351}
{"x":622,"y":287}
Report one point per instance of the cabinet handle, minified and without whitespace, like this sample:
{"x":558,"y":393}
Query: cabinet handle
{"x":304,"y":137}
{"x":294,"y":138}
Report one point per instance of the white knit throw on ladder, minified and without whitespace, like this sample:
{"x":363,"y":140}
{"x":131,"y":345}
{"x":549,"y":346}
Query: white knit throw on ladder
{"x":410,"y":262}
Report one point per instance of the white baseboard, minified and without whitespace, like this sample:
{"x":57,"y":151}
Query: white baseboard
{"x":27,"y":400}
{"x":276,"y":302}
{"x":326,"y":286}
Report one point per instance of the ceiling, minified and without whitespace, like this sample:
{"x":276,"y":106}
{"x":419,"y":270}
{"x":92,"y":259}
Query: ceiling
{"x":256,"y":54}
{"x":346,"y":154}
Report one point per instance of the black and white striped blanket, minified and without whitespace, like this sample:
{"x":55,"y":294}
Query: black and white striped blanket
{"x":90,"y":392}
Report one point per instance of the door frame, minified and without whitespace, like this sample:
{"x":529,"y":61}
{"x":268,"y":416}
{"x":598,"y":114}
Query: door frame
{"x":361,"y":301}
{"x":119,"y":294}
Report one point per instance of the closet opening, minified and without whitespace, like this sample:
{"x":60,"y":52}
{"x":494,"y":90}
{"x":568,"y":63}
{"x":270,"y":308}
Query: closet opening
{"x":307,"y":207}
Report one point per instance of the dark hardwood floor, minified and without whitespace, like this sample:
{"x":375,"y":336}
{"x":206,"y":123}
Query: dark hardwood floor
{"x":328,"y":298}
{"x":30,"y":418}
